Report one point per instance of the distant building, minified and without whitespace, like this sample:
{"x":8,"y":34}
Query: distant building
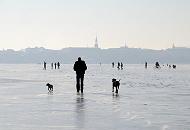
{"x":173,"y":46}
{"x":125,"y":46}
{"x":96,"y":43}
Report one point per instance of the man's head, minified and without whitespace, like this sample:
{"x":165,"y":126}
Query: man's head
{"x":79,"y":59}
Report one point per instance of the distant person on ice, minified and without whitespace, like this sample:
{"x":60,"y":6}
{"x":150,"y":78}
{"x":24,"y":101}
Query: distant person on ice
{"x":112,"y":64}
{"x":146,"y":65}
{"x":80,"y":68}
{"x":118,"y":65}
{"x":55,"y":64}
{"x":157,"y":65}
{"x":44,"y":65}
{"x":51,"y":65}
{"x":58,"y":65}
{"x":121,"y":65}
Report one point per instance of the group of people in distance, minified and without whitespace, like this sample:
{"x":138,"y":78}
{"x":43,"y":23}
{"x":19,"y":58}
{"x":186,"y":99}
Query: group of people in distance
{"x":157,"y":65}
{"x":53,"y":65}
{"x":173,"y":66}
{"x":56,"y":65}
{"x":119,"y":65}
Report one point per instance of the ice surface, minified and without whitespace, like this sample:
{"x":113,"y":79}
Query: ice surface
{"x":148,"y":99}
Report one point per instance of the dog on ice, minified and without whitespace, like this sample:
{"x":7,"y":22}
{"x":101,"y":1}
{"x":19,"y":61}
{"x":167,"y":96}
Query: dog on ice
{"x":50,"y":87}
{"x":115,"y":85}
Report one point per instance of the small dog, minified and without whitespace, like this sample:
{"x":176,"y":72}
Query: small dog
{"x":50,"y":87}
{"x":116,"y":84}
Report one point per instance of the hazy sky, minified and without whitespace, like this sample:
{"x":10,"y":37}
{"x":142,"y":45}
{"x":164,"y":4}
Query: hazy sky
{"x":57,"y":24}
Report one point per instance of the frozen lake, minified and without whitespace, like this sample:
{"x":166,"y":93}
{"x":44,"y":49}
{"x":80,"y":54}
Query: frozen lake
{"x":148,"y":99}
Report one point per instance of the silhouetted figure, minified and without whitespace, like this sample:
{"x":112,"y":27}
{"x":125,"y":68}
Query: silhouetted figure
{"x":169,"y":66}
{"x":157,"y":65}
{"x":80,"y":68}
{"x":55,"y":64}
{"x":118,"y":65}
{"x":51,"y":65}
{"x":174,"y":66}
{"x":121,"y":65}
{"x":112,"y":64}
{"x":146,"y":65}
{"x":58,"y":65}
{"x":44,"y":65}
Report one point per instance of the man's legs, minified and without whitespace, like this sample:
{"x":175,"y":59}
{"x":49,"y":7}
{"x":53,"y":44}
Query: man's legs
{"x":78,"y":83}
{"x":82,"y":79}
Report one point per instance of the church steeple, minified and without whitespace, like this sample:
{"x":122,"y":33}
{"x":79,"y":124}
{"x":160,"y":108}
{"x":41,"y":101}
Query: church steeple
{"x":96,"y":42}
{"x":173,"y":46}
{"x":126,"y":45}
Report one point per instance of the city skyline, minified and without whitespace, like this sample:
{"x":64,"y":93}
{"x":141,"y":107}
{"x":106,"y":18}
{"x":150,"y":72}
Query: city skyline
{"x":151,"y":24}
{"x":95,"y":45}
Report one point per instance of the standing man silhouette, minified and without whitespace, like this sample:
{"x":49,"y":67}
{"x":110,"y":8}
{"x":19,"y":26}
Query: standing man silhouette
{"x":80,"y":68}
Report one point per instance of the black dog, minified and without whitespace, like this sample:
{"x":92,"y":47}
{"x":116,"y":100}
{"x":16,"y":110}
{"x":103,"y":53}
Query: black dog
{"x":116,"y":84}
{"x":50,"y":87}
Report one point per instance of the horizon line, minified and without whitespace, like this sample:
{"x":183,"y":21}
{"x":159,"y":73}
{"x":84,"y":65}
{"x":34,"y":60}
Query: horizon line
{"x":89,"y":48}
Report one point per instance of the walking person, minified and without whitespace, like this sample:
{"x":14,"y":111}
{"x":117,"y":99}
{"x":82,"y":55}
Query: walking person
{"x":146,"y":65}
{"x":118,"y":65}
{"x":45,"y":65}
{"x":55,"y":64}
{"x":80,"y":68}
{"x":157,"y":65}
{"x":112,"y":64}
{"x":51,"y":65}
{"x":58,"y":65}
{"x":121,"y":66}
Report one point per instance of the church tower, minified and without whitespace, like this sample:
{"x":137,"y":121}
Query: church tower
{"x":96,"y":42}
{"x":173,"y":46}
{"x":125,"y":45}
